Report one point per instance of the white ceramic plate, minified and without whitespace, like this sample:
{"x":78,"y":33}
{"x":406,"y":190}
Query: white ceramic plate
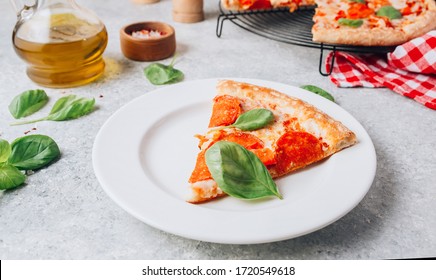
{"x":144,"y":154}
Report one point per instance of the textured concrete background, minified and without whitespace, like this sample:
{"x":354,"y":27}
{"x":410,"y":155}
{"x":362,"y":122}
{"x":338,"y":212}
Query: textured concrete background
{"x":63,"y":212}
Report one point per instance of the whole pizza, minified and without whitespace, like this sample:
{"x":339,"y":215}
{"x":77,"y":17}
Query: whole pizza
{"x":358,"y":22}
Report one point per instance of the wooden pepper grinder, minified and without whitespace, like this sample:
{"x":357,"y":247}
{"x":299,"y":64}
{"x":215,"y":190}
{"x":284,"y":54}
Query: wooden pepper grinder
{"x":188,"y":11}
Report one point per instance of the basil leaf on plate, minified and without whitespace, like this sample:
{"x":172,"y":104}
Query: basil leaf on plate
{"x":5,"y":150}
{"x":253,"y":119}
{"x":28,"y":103}
{"x":33,"y":152}
{"x":318,"y":91}
{"x":10,"y":177}
{"x":357,"y":1}
{"x":239,"y":172}
{"x":389,"y":12}
{"x":350,"y":22}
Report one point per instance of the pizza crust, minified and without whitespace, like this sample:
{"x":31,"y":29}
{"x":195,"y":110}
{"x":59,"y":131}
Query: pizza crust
{"x":360,"y":37}
{"x":423,"y":24}
{"x":231,"y":4}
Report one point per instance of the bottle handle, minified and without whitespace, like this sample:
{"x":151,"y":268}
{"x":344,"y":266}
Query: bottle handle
{"x":24,"y":7}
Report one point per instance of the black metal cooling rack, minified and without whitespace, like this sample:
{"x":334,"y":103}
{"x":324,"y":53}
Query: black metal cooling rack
{"x":291,"y":28}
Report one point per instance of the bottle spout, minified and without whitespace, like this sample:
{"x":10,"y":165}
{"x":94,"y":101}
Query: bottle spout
{"x":23,"y":7}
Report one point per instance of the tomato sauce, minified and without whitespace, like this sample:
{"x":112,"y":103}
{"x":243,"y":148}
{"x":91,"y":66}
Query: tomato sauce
{"x":341,"y":14}
{"x":359,"y":10}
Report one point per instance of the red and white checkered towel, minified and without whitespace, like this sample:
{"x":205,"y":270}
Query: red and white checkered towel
{"x":410,"y":70}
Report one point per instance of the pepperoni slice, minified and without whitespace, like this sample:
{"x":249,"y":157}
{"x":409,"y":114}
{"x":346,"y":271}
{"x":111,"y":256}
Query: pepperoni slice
{"x":226,"y":109}
{"x":247,"y":140}
{"x":297,"y":149}
{"x":254,"y":144}
{"x":267,"y":156}
{"x":201,"y":172}
{"x":250,"y":142}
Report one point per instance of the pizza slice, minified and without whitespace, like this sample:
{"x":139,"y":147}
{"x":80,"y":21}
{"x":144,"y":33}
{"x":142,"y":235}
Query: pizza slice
{"x":298,"y":135}
{"x":372,"y":22}
{"x":358,"y":22}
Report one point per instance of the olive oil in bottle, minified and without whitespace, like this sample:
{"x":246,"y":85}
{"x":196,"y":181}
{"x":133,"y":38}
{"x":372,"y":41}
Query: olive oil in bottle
{"x":61,"y":50}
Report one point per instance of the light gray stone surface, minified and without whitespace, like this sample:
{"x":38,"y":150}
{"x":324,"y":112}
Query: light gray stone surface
{"x":63,"y":213}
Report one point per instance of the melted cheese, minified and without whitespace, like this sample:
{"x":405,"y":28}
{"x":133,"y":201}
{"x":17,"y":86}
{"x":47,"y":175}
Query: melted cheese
{"x":205,"y":190}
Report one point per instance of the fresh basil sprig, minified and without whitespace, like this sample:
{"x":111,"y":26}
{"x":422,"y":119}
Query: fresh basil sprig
{"x":71,"y":107}
{"x":389,"y":12}
{"x":253,"y":119}
{"x":160,"y":74}
{"x":318,"y":91}
{"x":67,"y":108}
{"x":28,"y":103}
{"x":26,"y":153}
{"x":33,"y":152}
{"x":5,"y":150}
{"x":350,"y":22}
{"x":239,"y":172}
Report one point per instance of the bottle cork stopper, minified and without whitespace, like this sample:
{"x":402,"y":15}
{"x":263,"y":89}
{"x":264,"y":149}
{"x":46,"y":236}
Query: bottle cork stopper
{"x":188,"y":11}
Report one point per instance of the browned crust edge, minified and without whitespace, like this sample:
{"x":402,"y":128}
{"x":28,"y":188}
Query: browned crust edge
{"x":360,"y":37}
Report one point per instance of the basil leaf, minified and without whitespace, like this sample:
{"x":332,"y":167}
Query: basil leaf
{"x":389,"y":12}
{"x":357,"y":1}
{"x":10,"y":177}
{"x":67,"y":108}
{"x":5,"y":150}
{"x":160,"y":74}
{"x":350,"y":22}
{"x":71,"y":107}
{"x":253,"y":119}
{"x":239,"y":172}
{"x":27,"y":103}
{"x":318,"y":91}
{"x":62,"y":103}
{"x":33,"y":152}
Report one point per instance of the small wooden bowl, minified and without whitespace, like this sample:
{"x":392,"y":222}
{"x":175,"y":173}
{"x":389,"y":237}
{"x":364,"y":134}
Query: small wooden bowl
{"x":148,"y":49}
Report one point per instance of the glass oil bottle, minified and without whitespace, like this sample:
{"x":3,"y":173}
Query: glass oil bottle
{"x":61,"y":43}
